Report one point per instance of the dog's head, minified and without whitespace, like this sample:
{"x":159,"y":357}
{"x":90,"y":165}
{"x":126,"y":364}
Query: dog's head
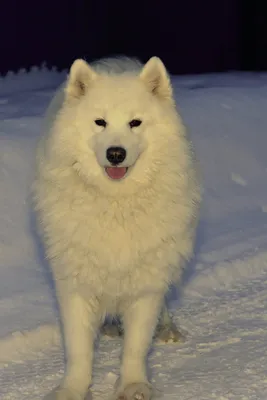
{"x":118,"y":130}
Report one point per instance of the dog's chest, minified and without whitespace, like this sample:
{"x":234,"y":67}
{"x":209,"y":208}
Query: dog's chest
{"x":110,"y":246}
{"x":119,"y":232}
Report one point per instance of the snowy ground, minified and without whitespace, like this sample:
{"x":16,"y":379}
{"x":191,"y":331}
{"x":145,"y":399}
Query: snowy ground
{"x":222,"y":306}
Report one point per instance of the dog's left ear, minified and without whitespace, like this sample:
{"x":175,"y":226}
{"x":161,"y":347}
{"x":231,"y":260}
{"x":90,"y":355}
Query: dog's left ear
{"x":156,"y":78}
{"x":80,"y":77}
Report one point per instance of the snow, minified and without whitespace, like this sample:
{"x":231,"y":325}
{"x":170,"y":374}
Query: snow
{"x":222,"y":305}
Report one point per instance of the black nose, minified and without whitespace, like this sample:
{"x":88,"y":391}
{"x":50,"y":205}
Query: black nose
{"x":116,"y":155}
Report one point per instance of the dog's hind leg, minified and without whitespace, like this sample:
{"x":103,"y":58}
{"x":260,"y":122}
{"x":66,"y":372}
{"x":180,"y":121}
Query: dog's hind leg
{"x":166,"y":330}
{"x":112,"y":327}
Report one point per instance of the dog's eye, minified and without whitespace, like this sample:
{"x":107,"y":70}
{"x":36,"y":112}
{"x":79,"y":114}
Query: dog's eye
{"x":101,"y":122}
{"x":134,"y":123}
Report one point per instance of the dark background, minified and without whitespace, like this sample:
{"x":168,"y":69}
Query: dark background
{"x":191,"y":36}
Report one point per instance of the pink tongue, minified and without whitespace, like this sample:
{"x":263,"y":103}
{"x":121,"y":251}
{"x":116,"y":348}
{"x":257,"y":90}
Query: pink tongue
{"x":116,"y":172}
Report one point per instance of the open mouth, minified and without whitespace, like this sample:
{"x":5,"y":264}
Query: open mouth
{"x":116,"y":173}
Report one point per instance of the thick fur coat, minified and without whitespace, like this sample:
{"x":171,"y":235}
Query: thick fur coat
{"x":114,"y":243}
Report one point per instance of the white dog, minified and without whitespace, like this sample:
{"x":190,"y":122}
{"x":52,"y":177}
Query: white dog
{"x":117,"y":197}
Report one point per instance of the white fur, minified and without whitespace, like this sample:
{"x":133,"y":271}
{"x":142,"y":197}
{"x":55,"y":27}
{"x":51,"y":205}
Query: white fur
{"x":114,"y":246}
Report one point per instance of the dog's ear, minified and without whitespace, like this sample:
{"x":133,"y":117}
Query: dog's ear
{"x":156,"y":78}
{"x":80,"y":77}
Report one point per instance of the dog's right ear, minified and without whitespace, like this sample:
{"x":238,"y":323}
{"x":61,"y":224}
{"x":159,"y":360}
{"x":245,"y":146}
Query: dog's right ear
{"x":80,"y":77}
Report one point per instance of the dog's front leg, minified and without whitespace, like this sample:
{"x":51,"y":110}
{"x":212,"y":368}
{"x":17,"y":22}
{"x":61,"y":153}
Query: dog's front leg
{"x":80,"y":320}
{"x":140,"y":319}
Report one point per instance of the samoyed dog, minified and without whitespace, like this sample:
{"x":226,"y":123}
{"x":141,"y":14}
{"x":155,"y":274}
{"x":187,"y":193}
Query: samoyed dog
{"x":117,"y":198}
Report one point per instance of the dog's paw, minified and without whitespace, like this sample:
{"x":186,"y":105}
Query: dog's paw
{"x":112,"y":329}
{"x":168,"y":334}
{"x":135,"y":391}
{"x":66,"y":394}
